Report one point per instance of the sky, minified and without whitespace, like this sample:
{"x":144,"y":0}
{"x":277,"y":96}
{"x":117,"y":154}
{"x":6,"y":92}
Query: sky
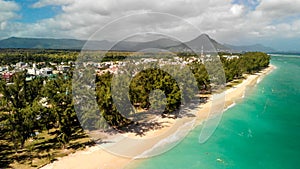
{"x":274,"y":23}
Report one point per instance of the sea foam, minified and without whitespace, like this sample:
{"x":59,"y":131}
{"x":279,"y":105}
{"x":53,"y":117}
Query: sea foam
{"x":168,"y":142}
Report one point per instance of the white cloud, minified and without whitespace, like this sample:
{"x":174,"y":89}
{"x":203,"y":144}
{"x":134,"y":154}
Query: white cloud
{"x":237,"y":10}
{"x":7,"y":10}
{"x":82,"y":17}
{"x":3,"y":25}
{"x":43,"y":3}
{"x":223,"y":20}
{"x":274,"y":9}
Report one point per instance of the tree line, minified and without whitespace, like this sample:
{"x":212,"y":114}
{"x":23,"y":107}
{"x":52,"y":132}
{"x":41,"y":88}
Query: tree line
{"x":28,"y":107}
{"x":174,"y":94}
{"x":247,"y":63}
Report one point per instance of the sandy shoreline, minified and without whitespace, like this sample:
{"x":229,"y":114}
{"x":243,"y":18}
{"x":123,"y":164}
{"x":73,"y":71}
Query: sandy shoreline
{"x":96,"y":157}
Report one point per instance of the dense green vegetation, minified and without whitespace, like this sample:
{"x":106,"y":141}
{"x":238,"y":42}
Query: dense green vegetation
{"x":46,"y":106}
{"x":38,"y":106}
{"x":251,"y":62}
{"x":12,"y":56}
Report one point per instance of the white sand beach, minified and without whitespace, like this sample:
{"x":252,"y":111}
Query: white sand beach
{"x":131,"y":145}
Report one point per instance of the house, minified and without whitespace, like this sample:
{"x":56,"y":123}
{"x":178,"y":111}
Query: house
{"x":231,"y":56}
{"x":63,"y":68}
{"x":20,"y":64}
{"x":7,"y":76}
{"x":33,"y":71}
{"x":2,"y":69}
{"x":53,"y":64}
{"x":46,"y":71}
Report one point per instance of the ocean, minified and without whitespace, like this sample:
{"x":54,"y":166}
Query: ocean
{"x":262,"y":131}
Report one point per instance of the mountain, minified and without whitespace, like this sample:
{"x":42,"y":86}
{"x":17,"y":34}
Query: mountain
{"x":158,"y":44}
{"x":202,"y":42}
{"x":45,"y":43}
{"x":251,"y":48}
{"x":207,"y":43}
{"x":48,"y":43}
{"x":163,"y":43}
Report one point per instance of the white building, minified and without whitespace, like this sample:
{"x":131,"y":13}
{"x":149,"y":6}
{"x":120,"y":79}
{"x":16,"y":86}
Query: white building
{"x":231,"y":56}
{"x":33,"y":71}
{"x":2,"y":69}
{"x":20,"y":64}
{"x":46,"y":71}
{"x":63,"y":68}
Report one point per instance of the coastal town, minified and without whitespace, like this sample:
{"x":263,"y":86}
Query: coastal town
{"x":51,"y":69}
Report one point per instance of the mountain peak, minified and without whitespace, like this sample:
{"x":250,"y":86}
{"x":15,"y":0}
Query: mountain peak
{"x":204,"y":35}
{"x":209,"y":44}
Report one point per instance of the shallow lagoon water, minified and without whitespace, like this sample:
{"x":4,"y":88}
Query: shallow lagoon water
{"x":262,"y":131}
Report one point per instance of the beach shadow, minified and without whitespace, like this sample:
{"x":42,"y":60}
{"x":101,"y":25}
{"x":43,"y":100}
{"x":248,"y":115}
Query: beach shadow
{"x":146,"y":120}
{"x":141,"y":128}
{"x":6,"y":150}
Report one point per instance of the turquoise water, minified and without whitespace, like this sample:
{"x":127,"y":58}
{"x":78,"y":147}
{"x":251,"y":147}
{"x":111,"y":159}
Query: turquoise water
{"x":261,"y":132}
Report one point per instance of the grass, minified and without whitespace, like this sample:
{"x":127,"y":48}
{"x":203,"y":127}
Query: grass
{"x":39,"y":151}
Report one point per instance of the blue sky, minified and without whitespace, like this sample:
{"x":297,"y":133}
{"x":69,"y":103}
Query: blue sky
{"x":28,"y":14}
{"x":275,"y":23}
{"x":252,"y":4}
